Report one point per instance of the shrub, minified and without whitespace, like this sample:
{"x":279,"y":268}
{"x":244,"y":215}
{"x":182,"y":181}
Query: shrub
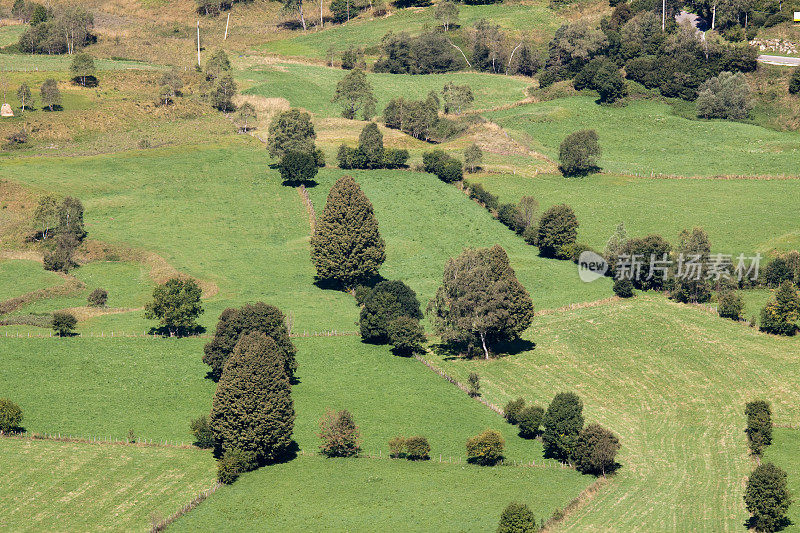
{"x":232,"y":464}
{"x":558,"y":228}
{"x":776,"y":272}
{"x":97,"y":298}
{"x":725,"y":96}
{"x":579,"y":153}
{"x":759,"y":425}
{"x":201,"y":429}
{"x":513,"y":409}
{"x":339,"y":434}
{"x":730,"y":305}
{"x":794,"y":82}
{"x":562,"y":423}
{"x":477,"y":192}
{"x":451,"y":171}
{"x":397,"y":446}
{"x":530,"y":419}
{"x":486,"y":449}
{"x":596,"y":450}
{"x":623,"y":287}
{"x":780,"y":314}
{"x":509,"y":215}
{"x":64,"y":323}
{"x":176,"y":305}
{"x":10,"y":416}
{"x":298,"y":167}
{"x":418,"y":449}
{"x":474,"y":384}
{"x":406,"y":335}
{"x":517,"y":518}
{"x":395,"y":158}
{"x":767,"y":497}
{"x":473,"y":157}
{"x":387,"y":301}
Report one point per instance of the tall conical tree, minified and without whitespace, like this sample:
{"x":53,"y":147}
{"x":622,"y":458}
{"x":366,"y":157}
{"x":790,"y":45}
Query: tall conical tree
{"x":346,"y":246}
{"x":252,"y":410}
{"x":233,"y":323}
{"x":370,"y":142}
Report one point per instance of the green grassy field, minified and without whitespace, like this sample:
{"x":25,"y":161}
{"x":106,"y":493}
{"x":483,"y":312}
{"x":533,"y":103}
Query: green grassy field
{"x":58,"y":486}
{"x":21,"y":277}
{"x":672,"y":382}
{"x":320,"y":494}
{"x":783,"y":452}
{"x":107,"y":387}
{"x":312,"y":87}
{"x":645,"y":137}
{"x":10,"y":34}
{"x":740,"y":216}
{"x":365,"y":32}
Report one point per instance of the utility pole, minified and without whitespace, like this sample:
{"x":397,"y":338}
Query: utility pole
{"x":198,"y":44}
{"x":663,"y":15}
{"x":226,"y":27}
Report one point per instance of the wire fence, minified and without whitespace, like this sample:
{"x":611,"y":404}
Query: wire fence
{"x":161,"y":525}
{"x":105,"y":439}
{"x":144,"y":334}
{"x":449,"y":459}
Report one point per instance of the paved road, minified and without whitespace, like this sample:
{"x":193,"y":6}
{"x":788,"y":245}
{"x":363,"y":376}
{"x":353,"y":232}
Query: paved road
{"x":779,"y":60}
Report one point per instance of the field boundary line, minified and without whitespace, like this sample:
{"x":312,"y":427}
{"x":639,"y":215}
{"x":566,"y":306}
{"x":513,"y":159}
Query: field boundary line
{"x":194,"y":502}
{"x":58,"y":437}
{"x":579,"y":501}
{"x":145,"y":335}
{"x":720,"y":177}
{"x":582,"y":305}
{"x":449,"y":459}
{"x":312,"y":214}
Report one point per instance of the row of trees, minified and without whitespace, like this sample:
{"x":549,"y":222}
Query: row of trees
{"x":59,"y":30}
{"x":49,"y":95}
{"x":370,"y":153}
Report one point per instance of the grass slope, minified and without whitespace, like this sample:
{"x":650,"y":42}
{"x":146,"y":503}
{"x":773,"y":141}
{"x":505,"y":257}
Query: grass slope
{"x":672,"y":382}
{"x":783,"y":452}
{"x":312,"y":87}
{"x":318,"y":494}
{"x":645,"y":137}
{"x":74,"y":486}
{"x":365,"y":32}
{"x":740,"y":216}
{"x":21,"y":277}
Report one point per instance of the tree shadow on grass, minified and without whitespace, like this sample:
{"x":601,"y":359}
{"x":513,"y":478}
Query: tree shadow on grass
{"x":309,"y":184}
{"x":180,"y":332}
{"x":333,"y":285}
{"x":580,"y":173}
{"x":452,"y":351}
{"x":782,"y":524}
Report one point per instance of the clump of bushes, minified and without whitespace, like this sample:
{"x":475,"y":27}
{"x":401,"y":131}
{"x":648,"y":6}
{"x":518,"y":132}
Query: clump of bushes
{"x":10,"y":416}
{"x":97,"y":298}
{"x":370,"y":152}
{"x":530,"y":420}
{"x":513,"y":409}
{"x":478,"y":193}
{"x":579,"y":153}
{"x":780,"y":315}
{"x":623,"y":287}
{"x":64,"y":323}
{"x":233,"y":463}
{"x":725,"y":96}
{"x":201,"y":429}
{"x":446,"y":168}
{"x":486,"y":449}
{"x":391,"y":313}
{"x":340,"y":435}
{"x":759,"y":425}
{"x":556,"y":233}
{"x":596,"y":450}
{"x":417,"y":449}
{"x":517,"y":518}
{"x":730,"y":305}
{"x":474,"y":384}
{"x":298,"y":167}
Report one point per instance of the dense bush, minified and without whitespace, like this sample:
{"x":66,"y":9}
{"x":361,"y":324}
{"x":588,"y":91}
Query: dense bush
{"x":233,"y":463}
{"x":10,"y":416}
{"x":623,"y":287}
{"x":427,"y":53}
{"x":730,"y":305}
{"x":387,"y":301}
{"x":579,"y":153}
{"x":759,"y":425}
{"x":486,"y":449}
{"x":596,"y":450}
{"x":794,"y":82}
{"x":562,"y":423}
{"x":370,"y":152}
{"x":725,"y":96}
{"x":474,"y":384}
{"x":417,"y":449}
{"x":780,"y":315}
{"x":406,"y":335}
{"x":776,"y":272}
{"x":530,"y":420}
{"x":418,"y":118}
{"x":477,"y":192}
{"x":64,"y":323}
{"x":291,"y":130}
{"x":509,"y":216}
{"x":767,"y":498}
{"x":201,"y":429}
{"x":97,"y":298}
{"x":397,"y":447}
{"x":513,"y":409}
{"x":517,"y":518}
{"x":339,"y":434}
{"x":557,"y":231}
{"x":445,"y":167}
{"x":298,"y":167}
{"x":652,"y":246}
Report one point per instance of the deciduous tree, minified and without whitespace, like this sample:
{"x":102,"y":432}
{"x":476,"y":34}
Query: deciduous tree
{"x":291,"y":131}
{"x":354,"y":93}
{"x":563,"y":422}
{"x":767,"y":497}
{"x":176,"y":305}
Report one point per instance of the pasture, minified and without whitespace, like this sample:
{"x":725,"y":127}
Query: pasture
{"x":21,"y":277}
{"x":645,"y":137}
{"x":783,"y":452}
{"x":740,"y":216}
{"x":69,"y":486}
{"x":672,"y":382}
{"x":319,"y":494}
